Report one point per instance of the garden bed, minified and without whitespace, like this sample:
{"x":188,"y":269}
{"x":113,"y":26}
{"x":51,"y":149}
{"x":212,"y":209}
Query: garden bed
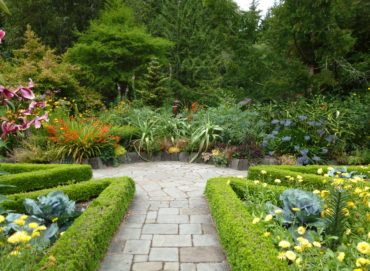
{"x":29,"y":177}
{"x":252,"y":238}
{"x":85,"y":242}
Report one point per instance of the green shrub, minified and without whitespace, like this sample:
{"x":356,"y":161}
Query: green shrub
{"x":243,"y":242}
{"x":125,"y":133}
{"x":85,"y":242}
{"x":28,"y":177}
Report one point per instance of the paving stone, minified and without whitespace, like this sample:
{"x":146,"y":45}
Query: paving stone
{"x":188,"y":267}
{"x":171,"y":241}
{"x":116,"y":262}
{"x":168,"y":211}
{"x":204,"y":219}
{"x":160,"y":229}
{"x":190,"y":229}
{"x":148,"y":266}
{"x":129,"y":233}
{"x":136,"y":219}
{"x":179,"y":203}
{"x":137,"y":247}
{"x":201,"y":254}
{"x":209,"y":229}
{"x":212,"y":267}
{"x":173,"y":219}
{"x":146,"y":237}
{"x":116,"y":246}
{"x":164,"y":255}
{"x":171,"y":266}
{"x":140,"y":258}
{"x":205,"y":240}
{"x":194,"y":211}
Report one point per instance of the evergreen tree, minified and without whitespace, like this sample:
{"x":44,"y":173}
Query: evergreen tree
{"x":154,"y":91}
{"x":114,"y":49}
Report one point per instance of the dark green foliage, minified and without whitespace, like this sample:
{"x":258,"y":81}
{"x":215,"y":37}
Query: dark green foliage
{"x":28,"y":177}
{"x":336,"y":220}
{"x":113,"y":50}
{"x":154,"y":90}
{"x":57,"y":22}
{"x":84,"y":243}
{"x":245,"y":246}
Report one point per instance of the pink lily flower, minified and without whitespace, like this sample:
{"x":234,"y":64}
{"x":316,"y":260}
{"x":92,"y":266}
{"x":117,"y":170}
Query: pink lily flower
{"x":8,"y":128}
{"x":2,"y":35}
{"x":37,"y":120}
{"x":27,"y":92}
{"x":8,"y":94}
{"x":25,"y":125}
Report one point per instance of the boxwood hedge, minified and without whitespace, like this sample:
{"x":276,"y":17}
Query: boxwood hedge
{"x":29,"y":177}
{"x":243,"y":242}
{"x":83,"y":245}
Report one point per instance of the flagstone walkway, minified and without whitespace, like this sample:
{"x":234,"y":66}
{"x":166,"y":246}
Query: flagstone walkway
{"x":168,"y":226}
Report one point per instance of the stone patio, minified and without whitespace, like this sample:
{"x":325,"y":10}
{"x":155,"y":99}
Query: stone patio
{"x":168,"y":226}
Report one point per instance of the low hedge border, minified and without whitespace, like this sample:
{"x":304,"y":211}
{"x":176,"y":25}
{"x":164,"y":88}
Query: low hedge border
{"x":29,"y":177}
{"x":243,"y":242}
{"x":311,"y":180}
{"x":84,"y":244}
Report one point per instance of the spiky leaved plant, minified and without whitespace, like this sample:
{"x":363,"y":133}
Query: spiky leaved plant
{"x":336,"y":218}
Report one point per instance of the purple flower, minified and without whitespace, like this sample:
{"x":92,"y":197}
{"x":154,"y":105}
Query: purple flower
{"x":275,"y":122}
{"x":288,"y":122}
{"x":37,"y":120}
{"x":27,"y":92}
{"x":286,"y":138}
{"x":314,"y":123}
{"x":307,"y":137}
{"x":316,"y":158}
{"x":302,"y":117}
{"x":270,"y":136}
{"x":320,"y":132}
{"x":324,"y":150}
{"x":303,"y":160}
{"x":2,"y":35}
{"x":304,"y":152}
{"x":330,"y":138}
{"x":264,"y":143}
{"x":8,"y":128}
{"x":296,"y":148}
{"x":275,"y":132}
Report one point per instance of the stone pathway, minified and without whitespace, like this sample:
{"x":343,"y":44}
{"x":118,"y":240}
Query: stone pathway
{"x":168,"y":226}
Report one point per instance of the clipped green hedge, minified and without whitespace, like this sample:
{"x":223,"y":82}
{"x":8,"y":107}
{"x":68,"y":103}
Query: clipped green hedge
{"x":311,"y":180}
{"x":243,"y":242}
{"x":29,"y":177}
{"x":84,"y":244}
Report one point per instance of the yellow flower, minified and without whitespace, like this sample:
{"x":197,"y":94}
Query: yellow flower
{"x":358,"y":269}
{"x":298,"y":262}
{"x":24,"y":217}
{"x":264,"y":184}
{"x":268,"y":218}
{"x":316,"y":244}
{"x":41,"y":228}
{"x":277,"y":181}
{"x":267,"y":234}
{"x":319,"y":171}
{"x":173,"y":150}
{"x":351,"y":205}
{"x":14,"y":253}
{"x":33,"y":225}
{"x":345,"y":212}
{"x":35,"y":234}
{"x":54,"y":219}
{"x":363,"y":247}
{"x":19,"y":237}
{"x":299,"y":248}
{"x":256,"y":220}
{"x":341,"y":256}
{"x":290,"y":255}
{"x":348,"y":231}
{"x":316,"y":192}
{"x":278,"y":212}
{"x":263,"y":172}
{"x":256,"y":182}
{"x":296,"y":209}
{"x":2,"y":218}
{"x":324,"y":193}
{"x":281,"y":256}
{"x":301,"y":230}
{"x":284,"y":244}
{"x":330,"y":168}
{"x":304,"y":243}
{"x":362,"y":262}
{"x":19,"y":222}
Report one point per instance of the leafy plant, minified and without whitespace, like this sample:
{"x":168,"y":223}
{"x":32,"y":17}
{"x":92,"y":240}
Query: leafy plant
{"x":299,"y":208}
{"x":206,"y":134}
{"x":336,"y":220}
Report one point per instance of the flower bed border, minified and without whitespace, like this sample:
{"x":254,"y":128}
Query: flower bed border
{"x":84,"y":244}
{"x":29,"y":177}
{"x":311,"y":180}
{"x":243,"y":242}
